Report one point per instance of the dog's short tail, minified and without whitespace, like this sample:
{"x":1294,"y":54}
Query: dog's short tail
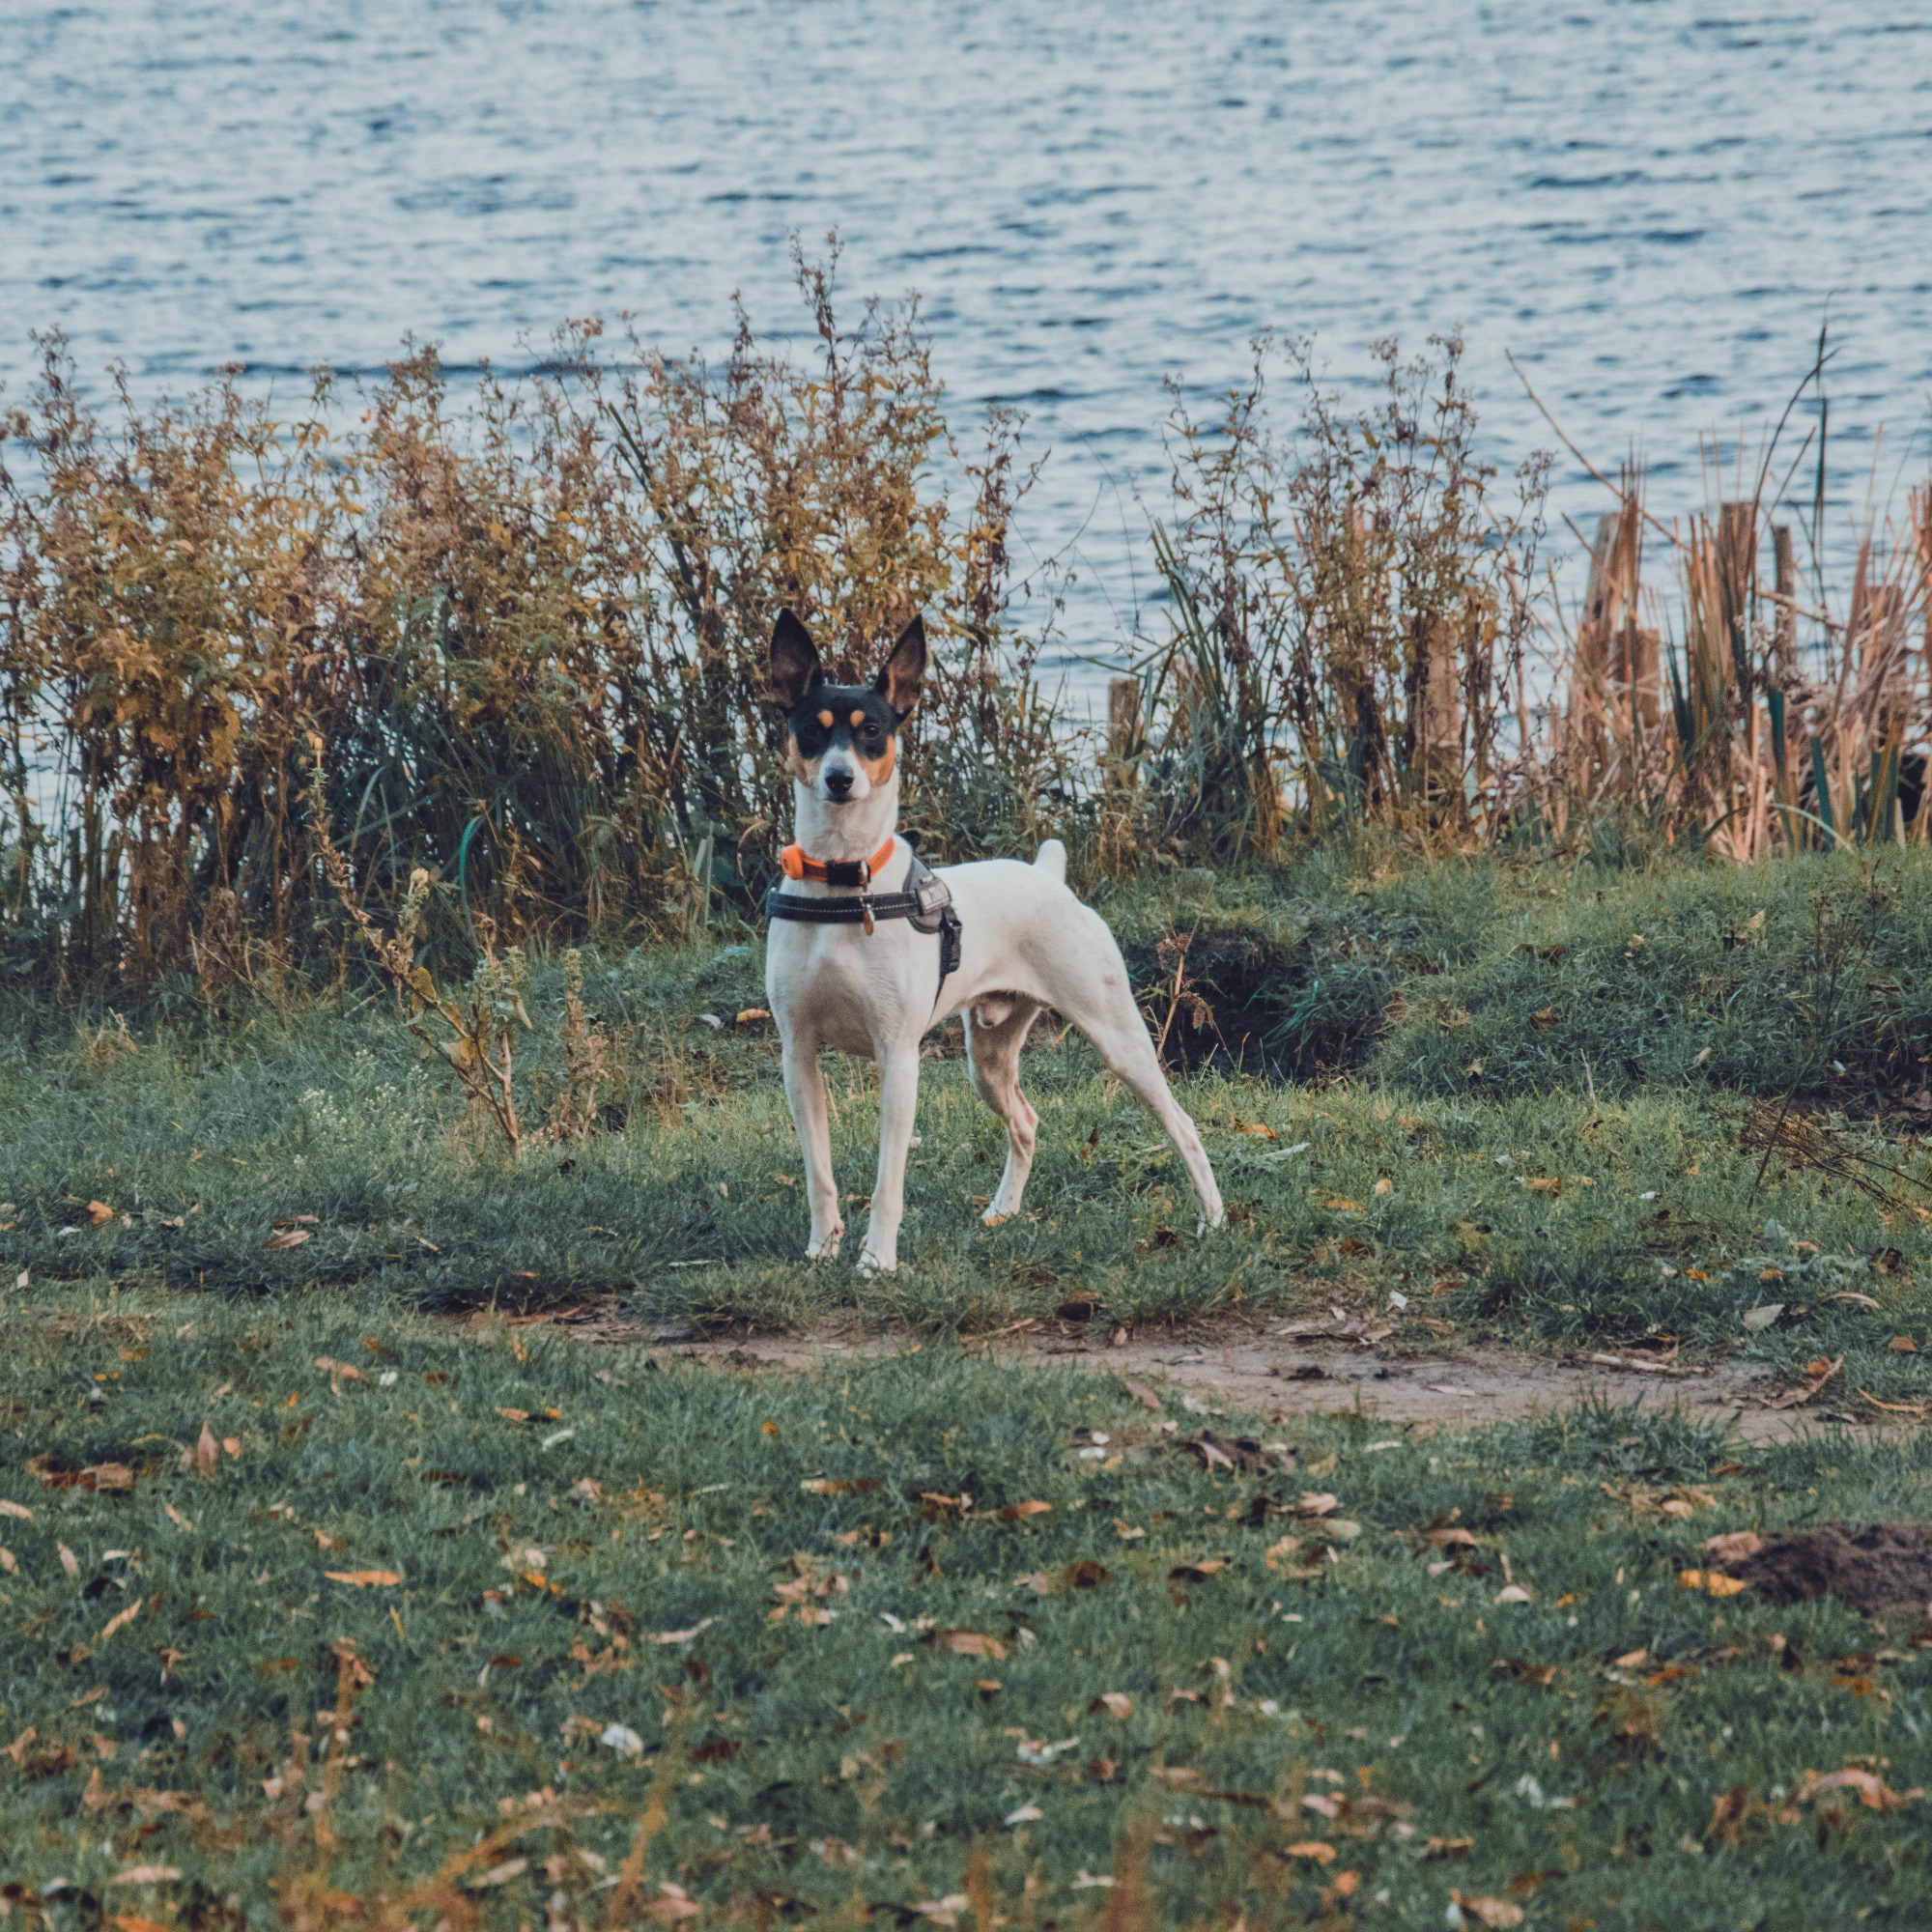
{"x":1051,"y":859}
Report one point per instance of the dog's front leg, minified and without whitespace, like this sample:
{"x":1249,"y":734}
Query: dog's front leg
{"x":898,"y":1108}
{"x":804,"y":1089}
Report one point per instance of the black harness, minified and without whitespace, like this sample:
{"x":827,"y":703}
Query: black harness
{"x":925,"y":902}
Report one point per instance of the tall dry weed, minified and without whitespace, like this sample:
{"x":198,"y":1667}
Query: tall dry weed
{"x":528,"y":628}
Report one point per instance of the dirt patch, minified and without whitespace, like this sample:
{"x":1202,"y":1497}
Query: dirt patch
{"x":1886,"y":1566}
{"x":1268,"y":1370}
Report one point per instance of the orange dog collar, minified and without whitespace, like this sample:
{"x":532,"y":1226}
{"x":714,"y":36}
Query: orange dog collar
{"x":794,"y":864}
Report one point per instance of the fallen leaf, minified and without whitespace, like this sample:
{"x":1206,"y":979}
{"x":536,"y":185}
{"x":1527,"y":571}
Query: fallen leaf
{"x":1543,"y":1183}
{"x":1115,"y":1703}
{"x":1902,"y":1345}
{"x":145,"y":1875}
{"x":1917,"y":1409}
{"x":967,"y":1644}
{"x":1762,"y":1318}
{"x":1197,"y":1573}
{"x":1026,"y":1814}
{"x":19,"y":1510}
{"x":1713,"y":1583}
{"x":500,"y":1874}
{"x":70,"y":1562}
{"x":514,"y":1414}
{"x":1735,"y":1547}
{"x":1820,"y":1372}
{"x":362,"y":1580}
{"x":751,"y":1013}
{"x":286,"y":1237}
{"x":1013,"y":1512}
{"x":1314,"y":1502}
{"x":1146,"y":1397}
{"x":685,"y":1636}
{"x":121,"y":1619}
{"x":1492,"y":1912}
{"x":1873,"y":1791}
{"x":1856,"y":1299}
{"x":1727,"y":1814}
{"x":943,"y":1911}
{"x":98,"y":1212}
{"x":207,"y":1451}
{"x":1311,"y":1848}
{"x":1513,"y":1593}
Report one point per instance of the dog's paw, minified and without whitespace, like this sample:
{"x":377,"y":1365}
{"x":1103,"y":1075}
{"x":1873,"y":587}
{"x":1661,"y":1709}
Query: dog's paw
{"x":993,"y":1218}
{"x":826,"y":1250}
{"x":1209,"y":1223}
{"x":871,"y":1263}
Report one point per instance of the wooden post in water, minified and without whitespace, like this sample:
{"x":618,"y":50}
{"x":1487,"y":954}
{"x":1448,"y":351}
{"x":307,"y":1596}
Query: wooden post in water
{"x":1784,"y":634}
{"x":1124,"y":719}
{"x":1736,"y":578}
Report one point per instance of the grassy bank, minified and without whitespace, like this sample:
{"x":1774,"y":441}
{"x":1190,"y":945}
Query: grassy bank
{"x":1529,"y":1124}
{"x":320,"y":1611}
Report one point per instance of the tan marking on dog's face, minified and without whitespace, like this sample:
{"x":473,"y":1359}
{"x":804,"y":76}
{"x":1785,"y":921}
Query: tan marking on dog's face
{"x":802,"y":768}
{"x":825,"y":719}
{"x":878,"y":770}
{"x":857,"y":718}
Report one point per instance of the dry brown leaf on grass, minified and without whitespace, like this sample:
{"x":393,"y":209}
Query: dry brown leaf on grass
{"x":98,"y":1212}
{"x":19,"y":1511}
{"x":286,"y":1237}
{"x":1310,"y":1848}
{"x":121,"y":1619}
{"x":1490,"y":1912}
{"x":1818,"y":1371}
{"x":1713,"y":1583}
{"x":966,"y":1643}
{"x":1915,"y":1409}
{"x":1115,"y":1703}
{"x":1013,"y":1512}
{"x":363,"y":1579}
{"x":1314,"y":1502}
{"x":132,"y":1921}
{"x":1197,"y":1573}
{"x":1874,"y":1794}
{"x":1143,"y":1395}
{"x":1728,"y":1810}
{"x":1735,"y":1547}
{"x":145,"y":1875}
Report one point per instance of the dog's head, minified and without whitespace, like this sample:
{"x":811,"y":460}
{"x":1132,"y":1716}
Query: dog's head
{"x":841,"y":740}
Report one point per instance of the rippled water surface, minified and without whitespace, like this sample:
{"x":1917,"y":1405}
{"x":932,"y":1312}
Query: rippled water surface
{"x":1653,"y":205}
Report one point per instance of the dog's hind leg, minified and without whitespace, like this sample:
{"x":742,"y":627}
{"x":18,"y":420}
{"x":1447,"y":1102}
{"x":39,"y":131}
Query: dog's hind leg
{"x":1100,"y":1003}
{"x":805,"y":1090}
{"x":993,"y":1052}
{"x":899,"y":1109}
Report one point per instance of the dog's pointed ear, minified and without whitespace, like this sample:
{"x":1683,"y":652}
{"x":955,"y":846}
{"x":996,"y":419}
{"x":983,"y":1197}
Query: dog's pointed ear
{"x":795,"y":668}
{"x":899,"y":678}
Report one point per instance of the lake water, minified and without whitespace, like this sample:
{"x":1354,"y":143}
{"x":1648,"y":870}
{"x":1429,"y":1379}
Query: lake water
{"x":1652,"y":202}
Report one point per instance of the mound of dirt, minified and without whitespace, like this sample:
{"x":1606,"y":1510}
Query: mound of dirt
{"x":1887,"y":1565}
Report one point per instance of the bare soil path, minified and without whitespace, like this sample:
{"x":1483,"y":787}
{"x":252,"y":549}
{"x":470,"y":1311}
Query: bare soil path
{"x":1272,"y":1370}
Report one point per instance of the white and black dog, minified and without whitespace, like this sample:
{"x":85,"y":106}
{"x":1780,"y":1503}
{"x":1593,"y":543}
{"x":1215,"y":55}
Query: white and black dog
{"x":869,"y":972}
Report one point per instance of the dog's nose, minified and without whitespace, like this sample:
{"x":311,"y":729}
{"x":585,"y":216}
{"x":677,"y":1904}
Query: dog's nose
{"x":839,"y":782}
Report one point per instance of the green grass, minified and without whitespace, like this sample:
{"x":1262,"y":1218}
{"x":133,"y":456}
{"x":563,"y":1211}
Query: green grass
{"x":202,"y":1137}
{"x":1320,"y":1720}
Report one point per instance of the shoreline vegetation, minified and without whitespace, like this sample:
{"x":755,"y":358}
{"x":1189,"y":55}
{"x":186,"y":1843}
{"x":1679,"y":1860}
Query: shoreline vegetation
{"x":387,"y":797}
{"x":516,"y":643}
